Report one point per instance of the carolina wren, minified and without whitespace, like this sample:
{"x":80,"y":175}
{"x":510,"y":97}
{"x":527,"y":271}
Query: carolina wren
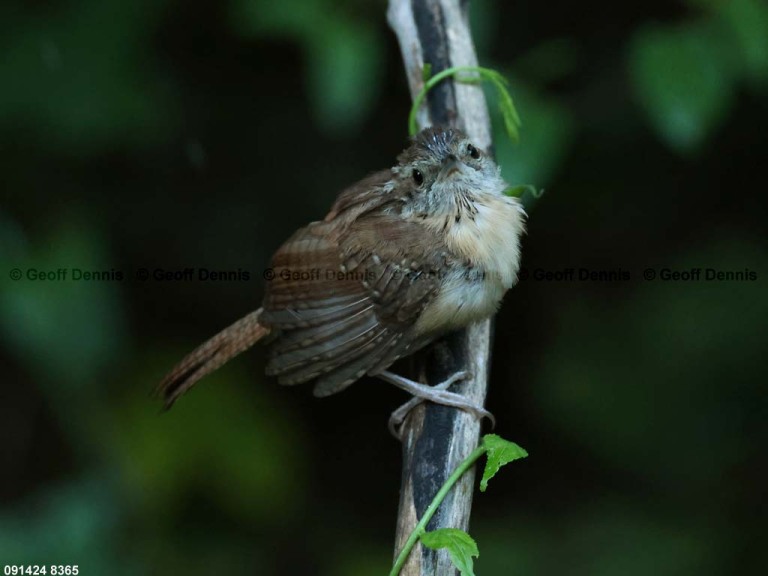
{"x":404,"y":256}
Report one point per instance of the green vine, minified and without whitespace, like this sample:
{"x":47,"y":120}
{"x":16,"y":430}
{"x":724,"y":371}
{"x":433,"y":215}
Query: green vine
{"x":477,"y":75}
{"x":461,"y":547}
{"x":525,"y":192}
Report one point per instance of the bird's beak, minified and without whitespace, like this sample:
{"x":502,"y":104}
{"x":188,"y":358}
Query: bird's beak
{"x":451,"y":166}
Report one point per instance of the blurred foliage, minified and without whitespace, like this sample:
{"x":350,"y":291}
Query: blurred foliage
{"x":607,"y":536}
{"x":342,"y":52}
{"x":81,"y":73}
{"x":173,"y":134}
{"x":263,"y":487}
{"x":45,"y":314}
{"x":711,"y":435}
{"x":684,"y":81}
{"x":545,"y":135}
{"x":74,"y":523}
{"x":685,"y":75}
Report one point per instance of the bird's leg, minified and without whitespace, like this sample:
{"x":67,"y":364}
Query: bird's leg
{"x":438,"y":394}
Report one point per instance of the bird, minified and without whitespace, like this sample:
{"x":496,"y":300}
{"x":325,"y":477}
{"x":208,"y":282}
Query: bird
{"x":403,"y":257}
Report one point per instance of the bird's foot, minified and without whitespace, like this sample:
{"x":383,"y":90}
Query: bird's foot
{"x":438,"y":394}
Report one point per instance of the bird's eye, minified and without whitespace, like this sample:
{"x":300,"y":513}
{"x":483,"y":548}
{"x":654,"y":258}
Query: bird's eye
{"x":472,"y":151}
{"x":418,"y":177}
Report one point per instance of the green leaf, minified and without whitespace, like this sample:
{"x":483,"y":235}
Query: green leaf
{"x":682,"y":80}
{"x":499,"y":452}
{"x":520,"y":189}
{"x":527,"y":194}
{"x":747,"y":21}
{"x":460,"y":545}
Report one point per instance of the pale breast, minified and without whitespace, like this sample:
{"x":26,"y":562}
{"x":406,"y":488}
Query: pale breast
{"x":463,"y":298}
{"x":490,"y":241}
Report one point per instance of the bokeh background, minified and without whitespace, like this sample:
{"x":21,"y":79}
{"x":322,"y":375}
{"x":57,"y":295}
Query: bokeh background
{"x":160,"y":134}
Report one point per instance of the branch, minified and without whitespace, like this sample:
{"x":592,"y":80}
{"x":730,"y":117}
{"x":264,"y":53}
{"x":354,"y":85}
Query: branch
{"x":436,"y":439}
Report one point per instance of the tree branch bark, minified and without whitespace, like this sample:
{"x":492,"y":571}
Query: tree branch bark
{"x":437,"y":438}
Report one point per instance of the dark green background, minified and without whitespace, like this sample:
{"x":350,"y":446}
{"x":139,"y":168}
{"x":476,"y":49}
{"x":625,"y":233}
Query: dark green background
{"x":168,"y":134}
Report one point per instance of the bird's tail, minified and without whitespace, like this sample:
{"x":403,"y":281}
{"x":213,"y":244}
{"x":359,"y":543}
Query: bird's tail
{"x":211,"y":356}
